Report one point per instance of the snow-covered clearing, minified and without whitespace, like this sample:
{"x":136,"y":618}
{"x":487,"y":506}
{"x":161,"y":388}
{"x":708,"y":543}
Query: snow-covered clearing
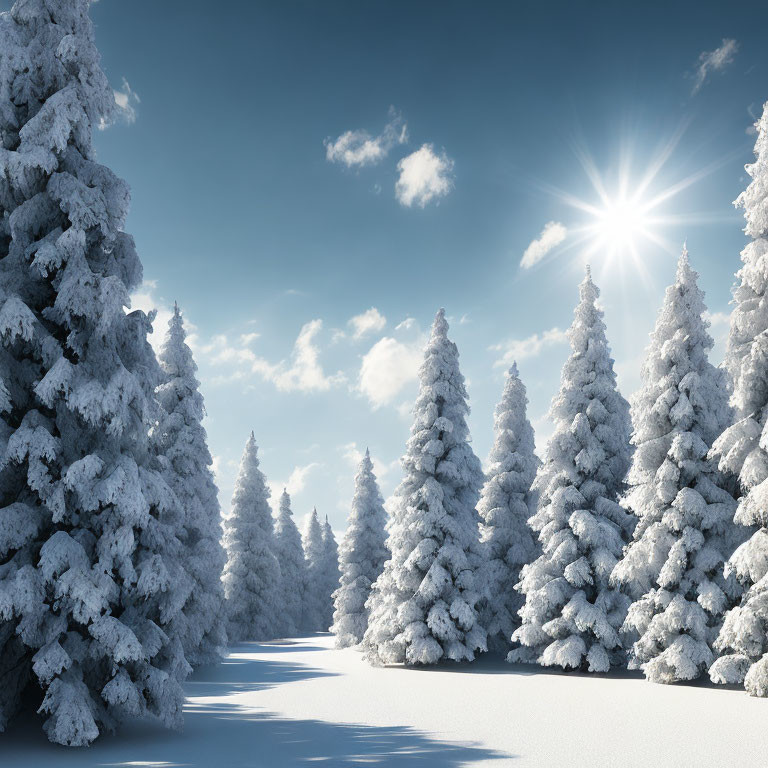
{"x":299,"y":702}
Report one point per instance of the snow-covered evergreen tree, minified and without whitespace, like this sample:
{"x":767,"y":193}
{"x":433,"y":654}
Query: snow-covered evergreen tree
{"x":363,"y":554}
{"x":183,"y":446}
{"x":331,"y":574}
{"x":571,"y":617}
{"x":743,"y":448}
{"x":314,"y":586}
{"x":672,"y":570}
{"x":293,"y":569}
{"x":422,"y":607}
{"x":252,"y":573}
{"x":90,"y":575}
{"x":506,"y":503}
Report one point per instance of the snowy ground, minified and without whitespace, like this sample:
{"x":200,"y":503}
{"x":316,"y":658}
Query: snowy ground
{"x":299,"y":702}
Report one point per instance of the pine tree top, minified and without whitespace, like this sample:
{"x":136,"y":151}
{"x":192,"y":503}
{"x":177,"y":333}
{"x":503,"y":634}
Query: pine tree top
{"x":754,"y":199}
{"x":591,"y":417}
{"x":251,"y":495}
{"x":175,"y":355}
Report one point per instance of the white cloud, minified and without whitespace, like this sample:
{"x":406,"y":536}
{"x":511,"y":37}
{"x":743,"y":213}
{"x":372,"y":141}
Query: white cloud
{"x":519,"y":349}
{"x":551,"y":236}
{"x":713,"y":61}
{"x":359,"y":148}
{"x":302,"y":372}
{"x":387,"y":367}
{"x":369,"y":321}
{"x":424,"y":176}
{"x":296,"y":482}
{"x":127,"y":101}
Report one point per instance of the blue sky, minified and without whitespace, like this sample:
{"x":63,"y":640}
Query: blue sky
{"x":273,"y":229}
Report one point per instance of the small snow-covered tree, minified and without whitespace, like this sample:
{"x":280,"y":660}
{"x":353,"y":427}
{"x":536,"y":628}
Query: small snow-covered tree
{"x":571,"y":617}
{"x":293,"y":569}
{"x":331,"y":574}
{"x":183,"y":446}
{"x":252,"y":573}
{"x":743,"y":448}
{"x":506,"y":503}
{"x":363,"y":554}
{"x":422,"y":607}
{"x":672,"y":569}
{"x":90,"y":573}
{"x":314,"y":586}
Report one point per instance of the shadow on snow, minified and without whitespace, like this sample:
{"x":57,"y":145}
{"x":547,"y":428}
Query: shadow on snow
{"x":496,"y":664}
{"x":220,"y":731}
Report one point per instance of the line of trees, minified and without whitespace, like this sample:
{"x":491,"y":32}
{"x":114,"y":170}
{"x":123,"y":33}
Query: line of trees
{"x":640,"y":540}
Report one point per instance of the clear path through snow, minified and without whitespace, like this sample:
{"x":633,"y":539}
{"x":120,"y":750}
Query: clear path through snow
{"x":299,"y":702}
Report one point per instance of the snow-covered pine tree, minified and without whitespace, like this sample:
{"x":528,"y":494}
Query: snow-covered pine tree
{"x":252,"y":573}
{"x":506,"y":503}
{"x":183,"y":446}
{"x":743,"y":448}
{"x":314,"y":586}
{"x":422,"y":607}
{"x":90,"y":579}
{"x":363,"y":554}
{"x":571,"y":617}
{"x":331,"y":574}
{"x":293,"y":569}
{"x":672,"y":569}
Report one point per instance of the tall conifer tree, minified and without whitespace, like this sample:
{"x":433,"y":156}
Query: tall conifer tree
{"x":314,"y":588}
{"x":743,"y":448}
{"x":685,"y":531}
{"x":506,"y":504}
{"x":90,"y":574}
{"x":252,"y":573}
{"x":571,"y":617}
{"x":293,"y":569}
{"x":183,"y":445}
{"x":422,"y":608}
{"x":331,"y":574}
{"x":363,"y":554}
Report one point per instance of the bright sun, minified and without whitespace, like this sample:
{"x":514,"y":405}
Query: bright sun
{"x":617,"y":226}
{"x":625,"y":220}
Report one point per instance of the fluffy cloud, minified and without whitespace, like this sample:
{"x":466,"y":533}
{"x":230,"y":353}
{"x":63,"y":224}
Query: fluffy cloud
{"x":551,"y":236}
{"x":519,"y":349}
{"x":303,"y":372}
{"x":387,"y":367}
{"x":424,"y":176}
{"x":713,"y":61}
{"x":296,"y":482}
{"x":369,"y":321}
{"x":126,"y":104}
{"x":358,"y":148}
